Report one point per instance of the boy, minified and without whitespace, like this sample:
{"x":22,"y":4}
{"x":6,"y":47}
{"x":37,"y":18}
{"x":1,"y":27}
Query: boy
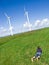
{"x":38,"y":54}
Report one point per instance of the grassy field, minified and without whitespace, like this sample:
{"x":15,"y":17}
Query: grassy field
{"x":18,"y":49}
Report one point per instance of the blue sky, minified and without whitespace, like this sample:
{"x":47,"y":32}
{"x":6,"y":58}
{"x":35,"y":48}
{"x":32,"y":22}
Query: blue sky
{"x":38,"y":12}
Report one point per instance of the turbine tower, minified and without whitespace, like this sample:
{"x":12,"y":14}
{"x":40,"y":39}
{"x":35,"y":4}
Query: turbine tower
{"x":10,"y":26}
{"x":28,"y":22}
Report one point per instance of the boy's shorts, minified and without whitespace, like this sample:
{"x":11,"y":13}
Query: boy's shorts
{"x":38,"y":54}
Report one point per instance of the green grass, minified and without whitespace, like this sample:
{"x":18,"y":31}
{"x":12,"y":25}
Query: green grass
{"x":18,"y":49}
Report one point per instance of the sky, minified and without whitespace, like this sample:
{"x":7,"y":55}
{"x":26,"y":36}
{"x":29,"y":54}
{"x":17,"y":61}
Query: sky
{"x":24,"y":15}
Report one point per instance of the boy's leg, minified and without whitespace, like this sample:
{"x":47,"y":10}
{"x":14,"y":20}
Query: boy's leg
{"x":32,"y":59}
{"x":38,"y":58}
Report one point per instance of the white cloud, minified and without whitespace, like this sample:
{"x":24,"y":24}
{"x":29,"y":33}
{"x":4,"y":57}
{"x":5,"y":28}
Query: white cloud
{"x":27,"y":25}
{"x":46,"y":19}
{"x":2,"y":30}
{"x":44,"y":22}
{"x":37,"y":23}
{"x":41,"y":23}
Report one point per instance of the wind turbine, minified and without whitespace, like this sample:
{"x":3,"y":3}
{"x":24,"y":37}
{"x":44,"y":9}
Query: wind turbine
{"x":10,"y":26}
{"x":27,"y":24}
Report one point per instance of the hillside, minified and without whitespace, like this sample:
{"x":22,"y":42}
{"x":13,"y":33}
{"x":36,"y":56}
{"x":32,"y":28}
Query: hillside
{"x":18,"y":49}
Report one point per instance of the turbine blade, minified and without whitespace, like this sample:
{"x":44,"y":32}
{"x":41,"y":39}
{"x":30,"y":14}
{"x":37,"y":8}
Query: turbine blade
{"x":6,"y":15}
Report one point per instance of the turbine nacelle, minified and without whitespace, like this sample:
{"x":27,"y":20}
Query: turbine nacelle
{"x":26,"y":13}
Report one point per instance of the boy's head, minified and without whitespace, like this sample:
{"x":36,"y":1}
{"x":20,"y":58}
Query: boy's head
{"x":38,"y":47}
